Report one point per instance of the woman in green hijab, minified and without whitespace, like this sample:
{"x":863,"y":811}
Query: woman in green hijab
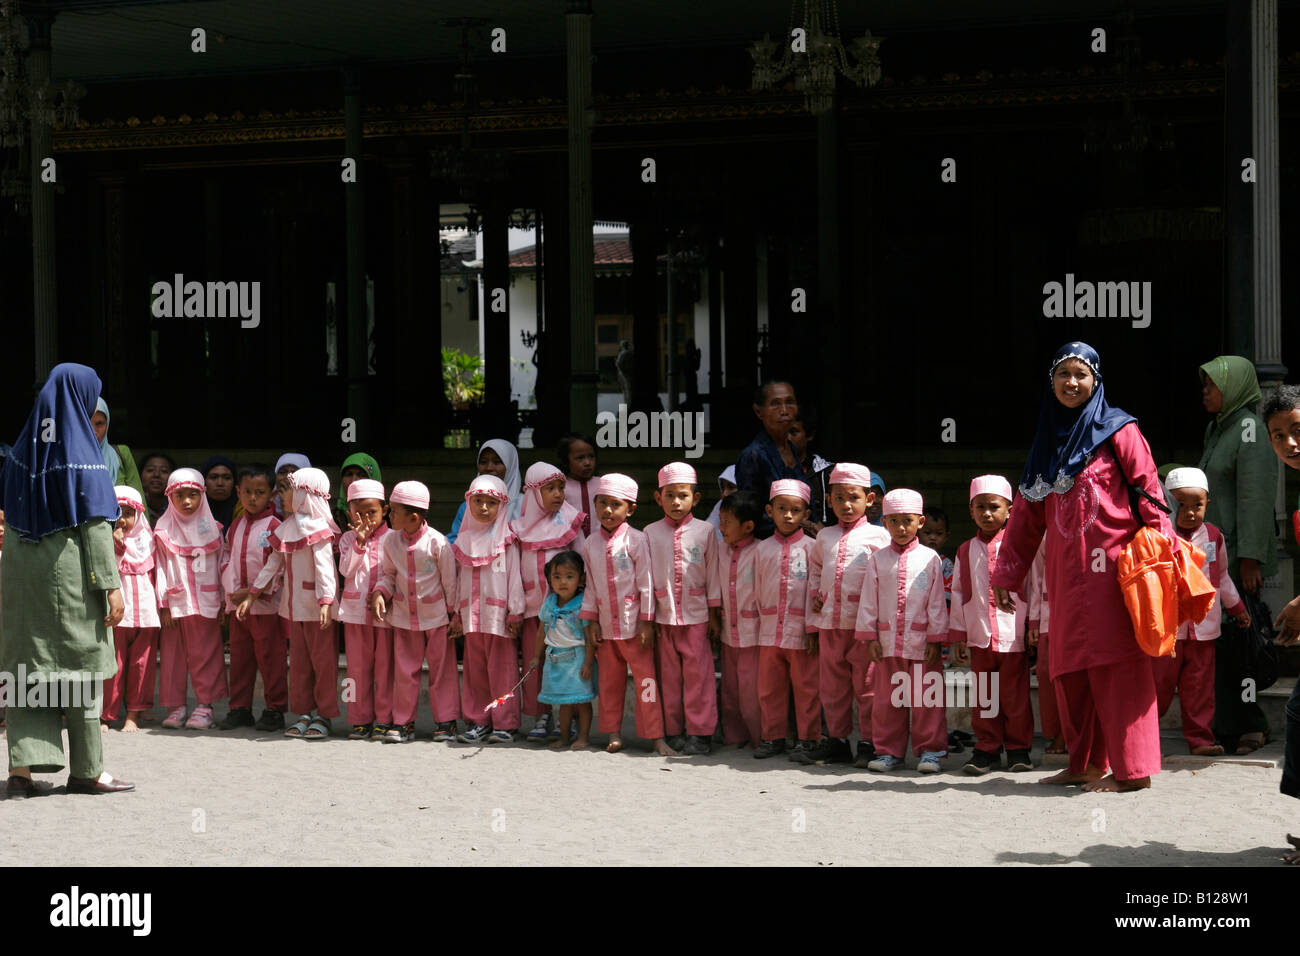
{"x":355,"y":466}
{"x":1242,"y":470}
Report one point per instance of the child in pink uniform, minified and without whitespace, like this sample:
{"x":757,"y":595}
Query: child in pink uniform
{"x":741,"y":721}
{"x":547,"y":526}
{"x":787,"y":641}
{"x":904,"y":620}
{"x":416,"y":593}
{"x":996,"y":640}
{"x":368,"y":640}
{"x":576,"y":456}
{"x":256,"y":642}
{"x":619,"y":603}
{"x":489,"y":613}
{"x":303,"y":550}
{"x":1191,"y":669}
{"x":837,"y":567}
{"x":687,"y":616}
{"x":135,"y":639}
{"x":188,"y":553}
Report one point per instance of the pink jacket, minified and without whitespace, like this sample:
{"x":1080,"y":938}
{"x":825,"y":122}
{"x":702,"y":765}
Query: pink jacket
{"x":837,"y":566}
{"x":580,"y":495}
{"x":902,"y":601}
{"x":187,"y":585}
{"x":620,"y":584}
{"x":310,"y":580}
{"x":421,"y":564}
{"x":247,"y":549}
{"x":684,"y":568}
{"x":1039,"y":610}
{"x":359,"y":568}
{"x":1210,"y":540}
{"x":781,"y":580}
{"x":532,"y":569}
{"x":739,"y":593}
{"x":491,"y":595}
{"x":974,"y":616}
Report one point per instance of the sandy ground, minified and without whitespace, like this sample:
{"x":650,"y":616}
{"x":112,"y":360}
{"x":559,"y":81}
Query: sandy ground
{"x":233,"y":798}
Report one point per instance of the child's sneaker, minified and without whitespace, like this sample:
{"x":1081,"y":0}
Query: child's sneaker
{"x":769,"y":748}
{"x":981,"y":762}
{"x":237,"y":717}
{"x":1018,"y":761}
{"x":379,"y":732}
{"x":954,"y":743}
{"x":677,"y":741}
{"x":866,"y":754}
{"x":885,"y":763}
{"x":445,"y":732}
{"x":393,"y":735}
{"x":475,"y":735}
{"x":175,"y":719}
{"x":360,"y":731}
{"x":827,"y":750}
{"x":930,"y":761}
{"x":201,"y":719}
{"x":270,"y":720}
{"x":541,"y":730}
{"x":408,"y":733}
{"x":800,"y":751}
{"x":501,"y":737}
{"x":697,"y":746}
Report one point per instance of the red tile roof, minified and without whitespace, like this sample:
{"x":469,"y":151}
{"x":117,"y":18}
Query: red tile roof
{"x":611,"y":250}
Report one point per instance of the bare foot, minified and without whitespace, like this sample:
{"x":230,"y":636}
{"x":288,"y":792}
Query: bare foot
{"x":1207,"y":750}
{"x":1111,"y":784}
{"x":558,"y":744}
{"x":662,"y":748}
{"x":1057,"y":746}
{"x":615,"y":744}
{"x":1066,"y":779}
{"x":580,"y":743}
{"x":103,"y":726}
{"x":131,"y":724}
{"x":147,"y":717}
{"x":1249,"y":743}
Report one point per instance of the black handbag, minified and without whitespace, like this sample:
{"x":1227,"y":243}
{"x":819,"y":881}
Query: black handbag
{"x":1250,"y":651}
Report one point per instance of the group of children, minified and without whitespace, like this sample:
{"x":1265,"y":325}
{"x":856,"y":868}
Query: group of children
{"x":558,"y":604}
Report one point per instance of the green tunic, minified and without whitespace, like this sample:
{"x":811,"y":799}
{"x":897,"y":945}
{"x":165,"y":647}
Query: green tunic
{"x":128,"y":474}
{"x":1243,"y":484}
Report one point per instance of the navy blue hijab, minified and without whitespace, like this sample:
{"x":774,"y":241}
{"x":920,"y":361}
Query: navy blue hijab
{"x":52,"y":485}
{"x":1067,"y":436}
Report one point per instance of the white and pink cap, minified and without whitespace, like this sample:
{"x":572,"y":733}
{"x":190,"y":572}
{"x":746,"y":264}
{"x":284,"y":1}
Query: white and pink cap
{"x":903,"y":501}
{"x":990,"y":485}
{"x":848,"y":473}
{"x":413,"y":494}
{"x":677,"y":473}
{"x":126,"y":495}
{"x":792,"y":487}
{"x":363,"y":488}
{"x":489,"y":485}
{"x":617,"y":486}
{"x":185,"y":478}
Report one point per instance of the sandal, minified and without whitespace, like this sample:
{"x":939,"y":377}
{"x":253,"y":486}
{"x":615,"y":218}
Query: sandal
{"x":360,"y":731}
{"x":175,"y":718}
{"x":201,"y":719}
{"x":299,"y":727}
{"x":1249,"y":743}
{"x":319,"y":729}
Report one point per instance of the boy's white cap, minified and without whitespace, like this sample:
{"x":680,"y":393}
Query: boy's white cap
{"x":363,"y":488}
{"x":903,"y":501}
{"x":990,"y":485}
{"x":1187,"y":478}
{"x":412,"y":493}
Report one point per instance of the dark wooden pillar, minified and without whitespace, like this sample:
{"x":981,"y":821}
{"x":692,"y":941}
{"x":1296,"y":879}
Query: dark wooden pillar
{"x":554,"y":348}
{"x":733,"y":418}
{"x":496,"y":321}
{"x":358,"y":336}
{"x":645,"y":315}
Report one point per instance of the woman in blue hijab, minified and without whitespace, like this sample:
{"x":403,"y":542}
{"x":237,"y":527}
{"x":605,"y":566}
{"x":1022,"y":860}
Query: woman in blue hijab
{"x":61,"y":593}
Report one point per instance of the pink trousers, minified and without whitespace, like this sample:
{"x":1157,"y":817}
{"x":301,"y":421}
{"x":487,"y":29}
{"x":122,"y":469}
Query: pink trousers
{"x":843,"y":681}
{"x":491,"y":670}
{"x":613,"y":658}
{"x":136,"y":648}
{"x":781,"y":669}
{"x":257,"y":643}
{"x":893,"y":705}
{"x":369,"y":651}
{"x":686,"y":679}
{"x":1192,"y":672}
{"x":529,"y":637}
{"x":313,"y":669}
{"x":192,"y":646}
{"x":1108,"y":714}
{"x":741,"y":721}
{"x":1048,"y":712}
{"x":410,"y":650}
{"x":1013,"y":725}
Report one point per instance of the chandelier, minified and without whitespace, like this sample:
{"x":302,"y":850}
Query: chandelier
{"x":814,"y":53}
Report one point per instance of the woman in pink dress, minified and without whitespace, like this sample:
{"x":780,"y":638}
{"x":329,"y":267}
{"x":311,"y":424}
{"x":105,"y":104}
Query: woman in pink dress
{"x":1074,"y":494}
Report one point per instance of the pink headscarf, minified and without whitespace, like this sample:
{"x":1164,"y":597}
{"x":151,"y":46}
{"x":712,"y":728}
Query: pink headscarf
{"x":188,"y":537}
{"x":538,"y":529}
{"x":477,"y":543}
{"x":138,"y":557}
{"x":310,"y":520}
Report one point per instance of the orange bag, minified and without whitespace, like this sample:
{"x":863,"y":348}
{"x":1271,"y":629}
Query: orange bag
{"x":1163,"y":588}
